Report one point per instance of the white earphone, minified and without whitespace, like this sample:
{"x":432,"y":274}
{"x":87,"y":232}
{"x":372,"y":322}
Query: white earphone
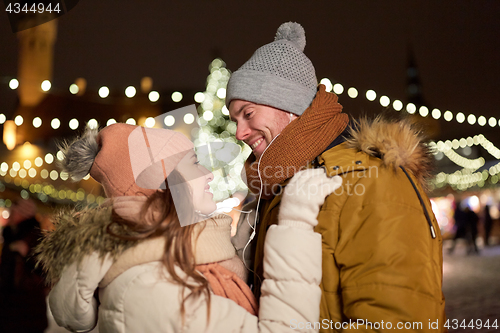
{"x":254,"y":226}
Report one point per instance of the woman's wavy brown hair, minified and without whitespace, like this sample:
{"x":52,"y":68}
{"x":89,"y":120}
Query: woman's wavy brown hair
{"x":179,"y":240}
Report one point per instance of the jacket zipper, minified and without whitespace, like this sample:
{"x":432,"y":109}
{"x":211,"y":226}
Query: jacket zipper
{"x":433,"y":232}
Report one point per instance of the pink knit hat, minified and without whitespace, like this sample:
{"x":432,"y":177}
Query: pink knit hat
{"x":127,"y":160}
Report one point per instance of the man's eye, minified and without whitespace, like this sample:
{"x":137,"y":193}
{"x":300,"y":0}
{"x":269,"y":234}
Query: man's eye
{"x":197,"y":162}
{"x":248,"y":114}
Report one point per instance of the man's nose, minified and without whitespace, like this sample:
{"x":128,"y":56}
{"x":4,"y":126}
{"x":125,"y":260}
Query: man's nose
{"x":242,"y":131}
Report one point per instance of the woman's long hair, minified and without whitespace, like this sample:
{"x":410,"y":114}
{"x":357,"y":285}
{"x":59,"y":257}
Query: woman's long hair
{"x":179,"y":241}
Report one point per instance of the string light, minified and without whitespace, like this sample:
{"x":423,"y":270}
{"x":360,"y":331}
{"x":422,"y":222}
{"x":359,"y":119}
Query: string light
{"x":213,"y":108}
{"x":18,"y":120}
{"x":43,"y":191}
{"x":92,"y":123}
{"x":199,"y":97}
{"x":338,"y":88}
{"x":53,"y":175}
{"x":423,"y":111}
{"x":60,"y":155}
{"x":371,"y":95}
{"x":176,"y":96}
{"x":37,"y":122}
{"x":471,"y":119}
{"x":13,"y":84}
{"x":208,"y":115}
{"x":38,"y":161}
{"x":46,"y":85}
{"x":436,"y":113}
{"x":397,"y":105}
{"x":130,"y":91}
{"x":49,"y":158}
{"x":188,"y":118}
{"x":150,"y":122}
{"x":103,"y":92}
{"x":32,"y":172}
{"x":492,"y":122}
{"x":221,"y":93}
{"x":411,"y":108}
{"x":154,"y":96}
{"x":448,"y":116}
{"x":468,"y":176}
{"x":385,"y":101}
{"x":352,"y":92}
{"x":74,"y":89}
{"x":481,"y":121}
{"x":73,"y":124}
{"x":169,"y":120}
{"x":55,"y":123}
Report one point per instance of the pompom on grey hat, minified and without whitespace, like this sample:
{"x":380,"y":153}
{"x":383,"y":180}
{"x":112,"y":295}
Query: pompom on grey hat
{"x":278,"y":74}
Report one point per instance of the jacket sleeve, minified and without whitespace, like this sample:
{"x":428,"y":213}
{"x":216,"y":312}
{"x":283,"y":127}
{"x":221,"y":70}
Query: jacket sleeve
{"x":71,"y":300}
{"x":290,"y":292}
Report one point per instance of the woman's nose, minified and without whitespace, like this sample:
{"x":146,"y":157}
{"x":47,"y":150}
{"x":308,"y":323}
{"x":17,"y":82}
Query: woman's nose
{"x":209,"y":175}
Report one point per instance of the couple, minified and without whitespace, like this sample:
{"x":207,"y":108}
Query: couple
{"x":379,"y":250}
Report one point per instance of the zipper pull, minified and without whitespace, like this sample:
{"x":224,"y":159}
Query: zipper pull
{"x":433,"y":233}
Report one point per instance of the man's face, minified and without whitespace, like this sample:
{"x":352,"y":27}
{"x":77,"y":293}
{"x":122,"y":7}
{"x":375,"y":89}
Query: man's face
{"x":257,"y":125}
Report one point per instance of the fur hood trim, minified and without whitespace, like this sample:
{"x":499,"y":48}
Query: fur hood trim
{"x":79,"y":233}
{"x":76,"y":234}
{"x":396,"y":143}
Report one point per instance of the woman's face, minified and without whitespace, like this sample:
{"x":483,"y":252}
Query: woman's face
{"x":198,"y":177}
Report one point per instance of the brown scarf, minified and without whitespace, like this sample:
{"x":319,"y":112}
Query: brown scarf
{"x":299,"y":143}
{"x":227,"y":284}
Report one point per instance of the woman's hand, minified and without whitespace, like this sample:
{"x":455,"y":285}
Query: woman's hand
{"x":72,"y":300}
{"x":304,"y":195}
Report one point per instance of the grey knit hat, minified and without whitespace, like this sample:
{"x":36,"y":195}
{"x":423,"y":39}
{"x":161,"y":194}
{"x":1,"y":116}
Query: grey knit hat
{"x":278,"y":74}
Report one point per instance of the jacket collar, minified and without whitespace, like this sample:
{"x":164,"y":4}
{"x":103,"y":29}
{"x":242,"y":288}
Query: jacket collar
{"x":342,"y":159}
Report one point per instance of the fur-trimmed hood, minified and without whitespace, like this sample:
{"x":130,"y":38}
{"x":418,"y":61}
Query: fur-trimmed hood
{"x":396,"y":143}
{"x":76,"y":234}
{"x":80,"y":233}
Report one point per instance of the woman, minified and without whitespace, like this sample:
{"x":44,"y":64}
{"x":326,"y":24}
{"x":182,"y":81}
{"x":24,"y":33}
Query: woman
{"x":154,"y":268}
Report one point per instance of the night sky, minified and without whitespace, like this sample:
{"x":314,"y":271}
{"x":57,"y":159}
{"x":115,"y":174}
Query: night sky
{"x":363,"y":44}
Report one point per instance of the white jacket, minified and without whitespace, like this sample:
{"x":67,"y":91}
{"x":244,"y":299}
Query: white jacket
{"x":139,"y":298}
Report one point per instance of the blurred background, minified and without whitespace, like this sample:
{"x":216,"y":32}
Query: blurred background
{"x":435,"y":62}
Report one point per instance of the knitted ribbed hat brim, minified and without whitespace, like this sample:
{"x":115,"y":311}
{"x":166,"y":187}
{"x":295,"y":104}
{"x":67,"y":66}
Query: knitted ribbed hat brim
{"x":268,"y":89}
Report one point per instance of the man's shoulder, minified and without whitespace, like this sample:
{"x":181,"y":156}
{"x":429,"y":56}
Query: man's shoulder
{"x":342,"y":159}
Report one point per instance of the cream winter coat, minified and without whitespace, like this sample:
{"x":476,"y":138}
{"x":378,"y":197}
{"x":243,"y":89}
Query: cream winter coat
{"x":137,"y":295}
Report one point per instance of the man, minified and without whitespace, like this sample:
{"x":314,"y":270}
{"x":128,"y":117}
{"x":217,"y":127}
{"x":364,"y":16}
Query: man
{"x":382,"y":256}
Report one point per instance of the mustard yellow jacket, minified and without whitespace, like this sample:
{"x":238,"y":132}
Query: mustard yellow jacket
{"x":381,"y":262}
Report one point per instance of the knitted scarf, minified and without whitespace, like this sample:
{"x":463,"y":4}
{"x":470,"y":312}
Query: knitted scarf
{"x":298,"y":144}
{"x":226,"y":283}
